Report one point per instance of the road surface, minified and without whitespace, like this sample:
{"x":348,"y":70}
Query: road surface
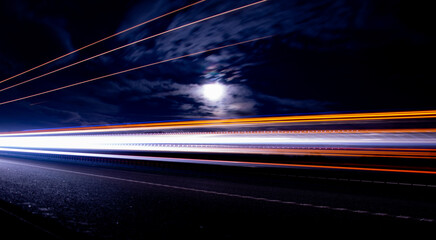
{"x":66,"y":200}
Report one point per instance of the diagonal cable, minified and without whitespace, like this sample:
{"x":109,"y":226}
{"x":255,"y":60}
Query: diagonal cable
{"x":103,"y":39}
{"x":135,"y":42}
{"x":132,"y":69}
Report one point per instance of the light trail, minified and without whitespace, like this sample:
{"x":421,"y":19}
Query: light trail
{"x":254,"y":121}
{"x":215,"y":162}
{"x":101,"y":40}
{"x":135,"y":42}
{"x":416,"y":146}
{"x":132,"y":69}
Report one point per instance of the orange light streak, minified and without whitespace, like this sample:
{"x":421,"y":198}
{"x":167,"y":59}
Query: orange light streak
{"x":369,"y":168}
{"x":131,"y":69}
{"x":346,"y":168}
{"x":346,"y":152}
{"x":132,"y":43}
{"x":323,"y":166}
{"x":242,"y":163}
{"x":250,"y":121}
{"x":258,"y":120}
{"x":101,"y":40}
{"x":287,"y":119}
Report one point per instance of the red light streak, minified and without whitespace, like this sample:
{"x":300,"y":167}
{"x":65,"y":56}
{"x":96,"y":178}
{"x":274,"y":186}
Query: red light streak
{"x":225,"y":162}
{"x":416,"y":147}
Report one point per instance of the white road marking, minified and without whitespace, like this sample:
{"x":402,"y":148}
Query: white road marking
{"x":381,"y":214}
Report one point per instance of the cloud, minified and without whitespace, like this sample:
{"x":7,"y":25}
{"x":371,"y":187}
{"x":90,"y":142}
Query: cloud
{"x":187,"y":99}
{"x":318,"y":25}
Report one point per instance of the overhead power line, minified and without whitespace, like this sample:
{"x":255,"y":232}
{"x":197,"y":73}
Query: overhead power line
{"x":135,"y":42}
{"x":103,"y":39}
{"x":132,"y":69}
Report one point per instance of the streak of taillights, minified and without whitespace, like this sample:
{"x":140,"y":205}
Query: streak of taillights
{"x":416,"y":147}
{"x":217,"y":162}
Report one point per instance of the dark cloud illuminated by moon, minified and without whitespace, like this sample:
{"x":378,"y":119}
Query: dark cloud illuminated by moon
{"x":325,"y":56}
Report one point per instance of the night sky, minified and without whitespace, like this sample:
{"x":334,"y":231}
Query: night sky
{"x":325,"y":56}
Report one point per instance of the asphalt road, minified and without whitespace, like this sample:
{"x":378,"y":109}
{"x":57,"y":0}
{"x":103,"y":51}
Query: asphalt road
{"x":66,"y":200}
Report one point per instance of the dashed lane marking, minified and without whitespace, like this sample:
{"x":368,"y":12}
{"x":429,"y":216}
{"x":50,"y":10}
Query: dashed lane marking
{"x":233,"y":195}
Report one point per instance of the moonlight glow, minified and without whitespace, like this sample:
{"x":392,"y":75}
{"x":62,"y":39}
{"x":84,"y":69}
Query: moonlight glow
{"x":214,"y":91}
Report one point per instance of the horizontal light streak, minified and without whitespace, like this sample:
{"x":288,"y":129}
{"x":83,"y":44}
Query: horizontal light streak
{"x":412,"y":144}
{"x":216,"y":162}
{"x":253,"y":121}
{"x":235,"y":137}
{"x":367,"y":143}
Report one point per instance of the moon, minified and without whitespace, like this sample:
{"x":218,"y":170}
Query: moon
{"x":214,"y":91}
